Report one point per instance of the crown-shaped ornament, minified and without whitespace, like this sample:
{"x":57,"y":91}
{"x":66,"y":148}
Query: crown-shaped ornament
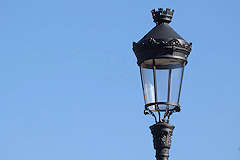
{"x":162,"y":16}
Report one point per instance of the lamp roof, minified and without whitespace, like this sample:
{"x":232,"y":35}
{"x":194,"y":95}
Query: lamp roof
{"x":162,"y":41}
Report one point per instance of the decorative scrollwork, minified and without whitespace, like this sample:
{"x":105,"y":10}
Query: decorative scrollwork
{"x":152,"y":43}
{"x":162,"y":136}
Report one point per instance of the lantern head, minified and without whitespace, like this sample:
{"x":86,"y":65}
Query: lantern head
{"x":162,"y":55}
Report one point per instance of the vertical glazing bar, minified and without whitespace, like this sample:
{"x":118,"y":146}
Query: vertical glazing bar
{"x":155,"y":81}
{"x":179,"y":93}
{"x":143,"y":85}
{"x":169,"y":84}
{"x":169,"y":92}
{"x":155,"y":89}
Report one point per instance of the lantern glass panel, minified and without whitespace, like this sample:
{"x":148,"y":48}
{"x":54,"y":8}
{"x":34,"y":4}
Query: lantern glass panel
{"x":148,"y":85}
{"x":162,"y":85}
{"x":175,"y":84}
{"x":165,"y":91}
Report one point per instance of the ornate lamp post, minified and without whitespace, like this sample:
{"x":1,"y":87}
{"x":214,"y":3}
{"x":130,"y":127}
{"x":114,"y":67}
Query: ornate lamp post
{"x":162,"y":55}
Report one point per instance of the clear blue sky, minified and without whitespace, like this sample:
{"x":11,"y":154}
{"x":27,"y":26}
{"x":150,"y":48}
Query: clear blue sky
{"x":70,"y":86}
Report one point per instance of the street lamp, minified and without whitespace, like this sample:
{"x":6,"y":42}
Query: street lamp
{"x":162,"y":55}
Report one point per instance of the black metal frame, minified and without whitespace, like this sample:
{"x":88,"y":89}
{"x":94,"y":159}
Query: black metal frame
{"x":176,"y":106}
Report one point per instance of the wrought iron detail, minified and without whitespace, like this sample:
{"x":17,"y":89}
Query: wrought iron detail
{"x":158,"y":43}
{"x":162,"y":134}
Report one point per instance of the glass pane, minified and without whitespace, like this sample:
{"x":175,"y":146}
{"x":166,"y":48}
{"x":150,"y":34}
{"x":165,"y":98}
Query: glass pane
{"x":168,"y":87}
{"x":148,"y":84}
{"x":162,"y":84}
{"x":175,"y":84}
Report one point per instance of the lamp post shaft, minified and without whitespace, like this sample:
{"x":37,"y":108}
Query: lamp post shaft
{"x":162,"y":134}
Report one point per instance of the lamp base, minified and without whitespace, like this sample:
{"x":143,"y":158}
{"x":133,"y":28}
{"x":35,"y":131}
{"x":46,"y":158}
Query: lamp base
{"x":162,"y":134}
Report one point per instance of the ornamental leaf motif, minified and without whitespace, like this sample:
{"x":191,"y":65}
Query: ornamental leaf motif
{"x":161,"y":43}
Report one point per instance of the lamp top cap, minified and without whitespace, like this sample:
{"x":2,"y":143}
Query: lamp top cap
{"x":162,"y":16}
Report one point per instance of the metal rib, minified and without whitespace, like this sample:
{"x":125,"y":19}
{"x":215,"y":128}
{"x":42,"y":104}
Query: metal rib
{"x":169,"y":92}
{"x":155,"y":88}
{"x":143,"y":85}
{"x":169,"y":84}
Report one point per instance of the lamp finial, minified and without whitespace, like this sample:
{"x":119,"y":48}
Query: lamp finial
{"x":162,"y":16}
